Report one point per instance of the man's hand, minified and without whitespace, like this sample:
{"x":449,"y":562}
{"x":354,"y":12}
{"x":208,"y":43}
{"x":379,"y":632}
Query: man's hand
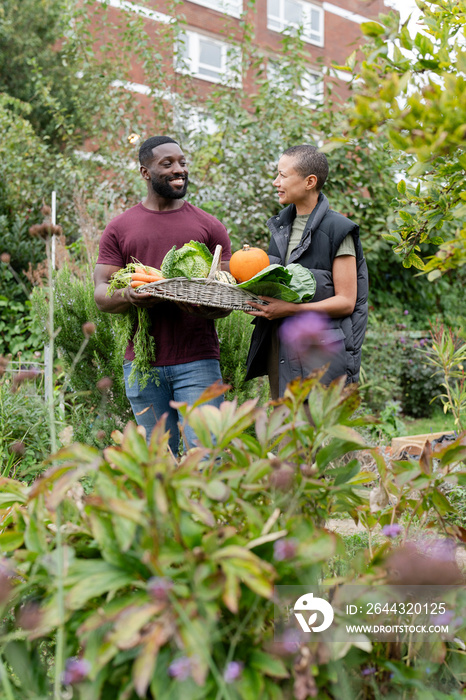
{"x":142,"y":300}
{"x":275,"y":308}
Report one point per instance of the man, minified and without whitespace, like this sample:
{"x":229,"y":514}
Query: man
{"x":308,"y":232}
{"x":187,"y":348}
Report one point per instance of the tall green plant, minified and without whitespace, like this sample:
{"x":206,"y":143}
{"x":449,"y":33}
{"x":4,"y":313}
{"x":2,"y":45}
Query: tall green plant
{"x":447,"y":354}
{"x":91,"y":408}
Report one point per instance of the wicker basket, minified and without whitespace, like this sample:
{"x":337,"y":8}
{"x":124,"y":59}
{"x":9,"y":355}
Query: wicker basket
{"x":203,"y":292}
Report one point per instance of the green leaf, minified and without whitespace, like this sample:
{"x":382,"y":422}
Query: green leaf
{"x":11,"y":540}
{"x":231,"y":590}
{"x":126,"y":463}
{"x":200,"y":511}
{"x":405,"y":216}
{"x":344,"y":474}
{"x":216,"y":490}
{"x":91,"y":579}
{"x":11,"y":491}
{"x":372,"y":29}
{"x":267,"y":664}
{"x":250,"y":684}
{"x":401,"y":187}
{"x":441,"y":503}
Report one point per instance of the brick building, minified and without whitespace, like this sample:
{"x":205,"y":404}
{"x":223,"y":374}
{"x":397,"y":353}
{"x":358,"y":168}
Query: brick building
{"x":330,"y":32}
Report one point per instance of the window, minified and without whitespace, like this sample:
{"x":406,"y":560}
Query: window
{"x":284,"y":14}
{"x":189,"y":121}
{"x":233,"y":8}
{"x":312,"y":84}
{"x":208,"y":59}
{"x":313,"y":87}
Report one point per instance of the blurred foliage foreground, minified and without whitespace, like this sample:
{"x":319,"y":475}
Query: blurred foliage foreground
{"x":155,"y":577}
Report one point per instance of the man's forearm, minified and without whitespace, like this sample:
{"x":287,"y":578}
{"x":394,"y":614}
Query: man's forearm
{"x":117,"y":303}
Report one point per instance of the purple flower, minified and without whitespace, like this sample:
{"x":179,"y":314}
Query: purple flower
{"x":180,"y":668}
{"x":368,"y":671}
{"x":444,"y":618}
{"x":442,"y":550}
{"x":233,"y":671}
{"x":392,"y":530}
{"x":405,"y":312}
{"x":76,"y":670}
{"x":291,"y":641}
{"x":423,"y":342}
{"x":402,"y":339}
{"x":304,"y":331}
{"x":159,"y":587}
{"x":284,"y":549}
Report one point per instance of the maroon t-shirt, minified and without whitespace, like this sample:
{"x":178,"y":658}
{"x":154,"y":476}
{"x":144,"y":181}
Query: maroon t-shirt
{"x":147,"y":236}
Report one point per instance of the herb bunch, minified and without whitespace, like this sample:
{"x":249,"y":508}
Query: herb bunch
{"x":135,"y":324}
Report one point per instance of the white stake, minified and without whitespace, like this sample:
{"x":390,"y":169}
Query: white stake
{"x":54,"y":221}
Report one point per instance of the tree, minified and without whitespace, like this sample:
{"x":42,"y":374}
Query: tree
{"x":413,"y":90}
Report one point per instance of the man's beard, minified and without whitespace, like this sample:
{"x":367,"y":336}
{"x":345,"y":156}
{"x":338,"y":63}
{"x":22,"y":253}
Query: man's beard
{"x":162,"y":187}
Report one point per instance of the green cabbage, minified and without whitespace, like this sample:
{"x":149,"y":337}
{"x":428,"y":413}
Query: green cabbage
{"x":193,"y":259}
{"x":303,"y":282}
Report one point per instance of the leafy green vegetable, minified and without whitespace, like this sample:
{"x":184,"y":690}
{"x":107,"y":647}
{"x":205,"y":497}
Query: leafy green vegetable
{"x":275,"y":290}
{"x":193,"y":259}
{"x":135,"y":321}
{"x":303,"y":281}
{"x":272,"y":281}
{"x":293,"y":283}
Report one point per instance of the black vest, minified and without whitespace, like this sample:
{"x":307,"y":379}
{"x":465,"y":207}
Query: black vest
{"x":324,"y":232}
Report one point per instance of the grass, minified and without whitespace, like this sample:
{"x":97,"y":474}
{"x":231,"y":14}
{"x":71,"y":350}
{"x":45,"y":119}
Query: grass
{"x":437,"y":423}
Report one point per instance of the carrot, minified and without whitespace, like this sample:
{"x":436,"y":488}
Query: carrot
{"x":147,"y":270}
{"x":135,"y":284}
{"x":139,"y":277}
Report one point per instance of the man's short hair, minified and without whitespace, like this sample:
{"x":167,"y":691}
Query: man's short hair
{"x":309,"y":161}
{"x":145,"y":152}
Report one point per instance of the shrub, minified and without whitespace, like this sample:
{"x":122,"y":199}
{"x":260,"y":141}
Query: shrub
{"x":380,"y":365}
{"x":24,"y":444}
{"x":102,"y":356}
{"x":419,"y":384}
{"x":394,"y":369}
{"x":162,"y":578}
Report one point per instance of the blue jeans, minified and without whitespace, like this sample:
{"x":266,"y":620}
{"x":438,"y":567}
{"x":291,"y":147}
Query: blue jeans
{"x":183,"y":383}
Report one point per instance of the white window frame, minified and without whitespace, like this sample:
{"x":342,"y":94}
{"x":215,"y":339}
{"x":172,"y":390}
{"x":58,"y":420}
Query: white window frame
{"x":233,"y":8}
{"x":308,"y":95}
{"x":192,"y":63}
{"x":198,"y":120}
{"x":278,"y":23}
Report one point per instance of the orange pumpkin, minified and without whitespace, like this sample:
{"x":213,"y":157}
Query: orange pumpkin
{"x":247,"y":262}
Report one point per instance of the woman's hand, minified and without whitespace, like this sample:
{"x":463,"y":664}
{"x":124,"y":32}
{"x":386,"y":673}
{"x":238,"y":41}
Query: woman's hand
{"x":275,"y":308}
